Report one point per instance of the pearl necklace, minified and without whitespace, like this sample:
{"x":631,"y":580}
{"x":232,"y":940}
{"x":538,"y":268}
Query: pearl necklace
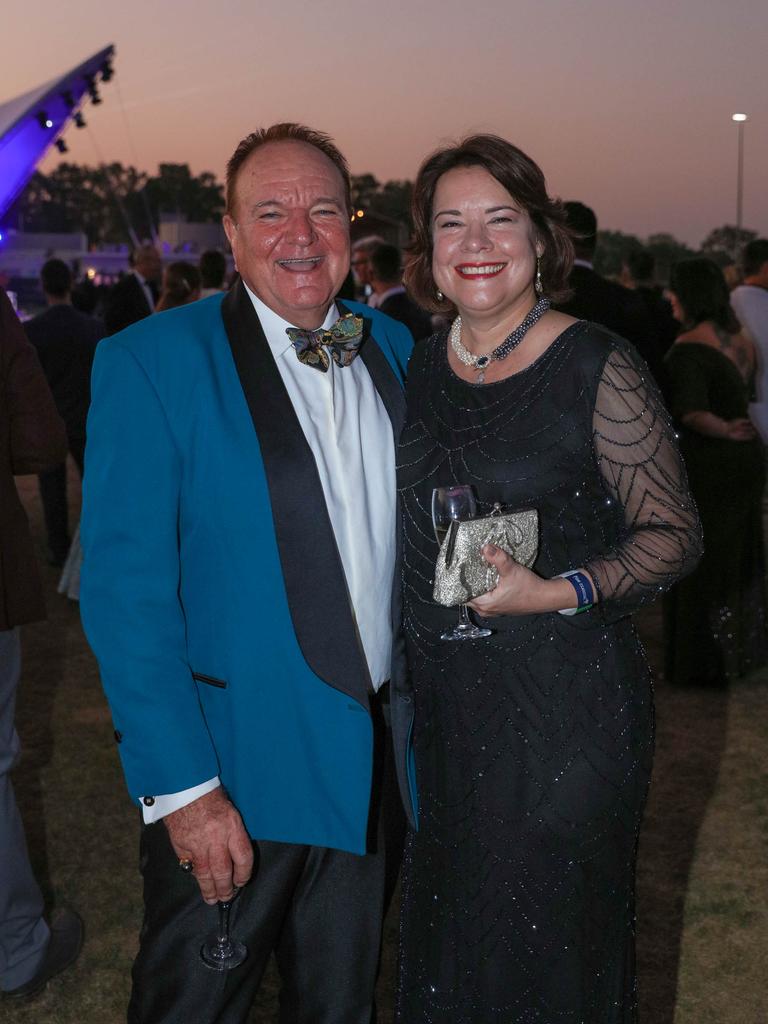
{"x":480,"y":363}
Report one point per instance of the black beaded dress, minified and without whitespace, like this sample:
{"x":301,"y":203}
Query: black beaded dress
{"x":534,"y":746}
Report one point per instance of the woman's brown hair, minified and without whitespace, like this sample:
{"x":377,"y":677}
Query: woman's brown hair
{"x":524,"y":181}
{"x":701,"y":290}
{"x":181,"y":284}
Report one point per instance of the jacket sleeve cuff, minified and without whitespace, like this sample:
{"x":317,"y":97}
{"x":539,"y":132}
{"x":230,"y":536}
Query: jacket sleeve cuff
{"x":153,"y":808}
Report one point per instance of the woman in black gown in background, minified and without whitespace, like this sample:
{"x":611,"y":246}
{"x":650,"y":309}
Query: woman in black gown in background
{"x":715,"y":620}
{"x":533,"y":746}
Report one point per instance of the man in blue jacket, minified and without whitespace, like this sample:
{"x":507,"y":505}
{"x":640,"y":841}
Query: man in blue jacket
{"x":239,"y":590}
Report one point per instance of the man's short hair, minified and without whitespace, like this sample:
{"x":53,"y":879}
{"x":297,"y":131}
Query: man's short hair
{"x":213,"y":268}
{"x":583,"y":224}
{"x":754,"y":255}
{"x":286,"y":131}
{"x":642,"y":265}
{"x":56,"y":279}
{"x":386,"y":263}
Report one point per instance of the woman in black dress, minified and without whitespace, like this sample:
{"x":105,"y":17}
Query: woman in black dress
{"x":533,"y":746}
{"x":714,"y":621}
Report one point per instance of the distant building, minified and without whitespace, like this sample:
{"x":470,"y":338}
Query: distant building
{"x":180,"y":236}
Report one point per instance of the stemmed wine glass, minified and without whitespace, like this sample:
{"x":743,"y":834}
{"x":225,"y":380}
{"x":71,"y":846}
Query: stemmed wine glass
{"x":456,"y":503}
{"x":220,"y":952}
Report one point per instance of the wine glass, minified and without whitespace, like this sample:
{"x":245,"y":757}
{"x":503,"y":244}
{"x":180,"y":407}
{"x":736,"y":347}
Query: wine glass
{"x":448,"y":504}
{"x":219,"y":951}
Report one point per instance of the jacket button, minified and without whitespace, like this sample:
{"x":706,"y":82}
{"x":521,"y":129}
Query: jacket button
{"x":118,"y":736}
{"x":148,"y":801}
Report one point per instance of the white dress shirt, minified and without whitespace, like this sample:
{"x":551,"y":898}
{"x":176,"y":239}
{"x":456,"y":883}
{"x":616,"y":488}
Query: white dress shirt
{"x":349,"y":431}
{"x":750,"y":304}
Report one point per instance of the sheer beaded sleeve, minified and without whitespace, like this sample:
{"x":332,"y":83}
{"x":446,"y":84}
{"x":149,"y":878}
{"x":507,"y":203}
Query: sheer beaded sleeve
{"x":642,"y":470}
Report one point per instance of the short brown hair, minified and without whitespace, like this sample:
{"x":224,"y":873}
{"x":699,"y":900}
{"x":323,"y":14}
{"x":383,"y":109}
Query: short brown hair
{"x":286,"y":131}
{"x":524,"y":181}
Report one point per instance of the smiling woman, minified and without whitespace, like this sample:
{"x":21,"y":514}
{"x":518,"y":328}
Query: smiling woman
{"x":533,"y":746}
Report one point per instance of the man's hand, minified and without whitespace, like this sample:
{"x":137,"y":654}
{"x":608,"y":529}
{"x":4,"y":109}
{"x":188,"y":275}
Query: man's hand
{"x":210,"y":833}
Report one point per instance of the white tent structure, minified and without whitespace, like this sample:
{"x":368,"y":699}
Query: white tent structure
{"x":31,"y":123}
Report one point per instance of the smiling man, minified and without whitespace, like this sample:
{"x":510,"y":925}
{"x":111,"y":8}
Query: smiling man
{"x":239,"y":590}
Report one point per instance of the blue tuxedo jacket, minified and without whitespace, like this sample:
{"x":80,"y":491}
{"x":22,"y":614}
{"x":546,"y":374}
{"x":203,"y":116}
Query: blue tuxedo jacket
{"x":212,"y":591}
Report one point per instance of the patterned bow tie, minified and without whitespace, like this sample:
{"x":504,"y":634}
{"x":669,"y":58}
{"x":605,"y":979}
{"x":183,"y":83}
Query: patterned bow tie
{"x":342,"y":341}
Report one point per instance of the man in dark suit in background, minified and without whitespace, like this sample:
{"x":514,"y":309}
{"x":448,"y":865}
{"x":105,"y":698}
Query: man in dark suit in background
{"x":66,"y":341}
{"x":134,"y":297}
{"x":361,"y":267}
{"x":385,"y":277}
{"x":602,"y":301}
{"x":213,"y":273}
{"x":31,"y":438}
{"x":638,"y":274}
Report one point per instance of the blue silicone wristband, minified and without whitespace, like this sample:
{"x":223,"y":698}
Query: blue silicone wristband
{"x":585,"y":595}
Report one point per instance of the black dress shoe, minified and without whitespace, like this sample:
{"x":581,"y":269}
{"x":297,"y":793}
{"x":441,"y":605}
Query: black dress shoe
{"x":63,"y":948}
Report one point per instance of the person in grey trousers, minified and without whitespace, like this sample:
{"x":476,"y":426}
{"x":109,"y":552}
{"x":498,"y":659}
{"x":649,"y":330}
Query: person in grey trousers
{"x":32,"y":440}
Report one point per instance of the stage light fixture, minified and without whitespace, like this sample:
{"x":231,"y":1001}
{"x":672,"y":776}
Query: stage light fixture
{"x":107,"y":71}
{"x":69,"y":99}
{"x":43,"y":120}
{"x":79,"y":120}
{"x":62,"y":146}
{"x":93,"y":92}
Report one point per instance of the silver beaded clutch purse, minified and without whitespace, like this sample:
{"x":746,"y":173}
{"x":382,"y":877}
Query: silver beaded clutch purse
{"x":462,"y":573}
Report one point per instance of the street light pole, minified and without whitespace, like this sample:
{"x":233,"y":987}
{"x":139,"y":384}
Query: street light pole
{"x":739,"y":119}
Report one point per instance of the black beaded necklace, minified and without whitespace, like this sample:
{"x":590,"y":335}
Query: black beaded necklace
{"x":481,"y":363}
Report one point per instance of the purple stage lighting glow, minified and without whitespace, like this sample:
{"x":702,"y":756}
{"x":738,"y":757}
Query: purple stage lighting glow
{"x":49,"y":106}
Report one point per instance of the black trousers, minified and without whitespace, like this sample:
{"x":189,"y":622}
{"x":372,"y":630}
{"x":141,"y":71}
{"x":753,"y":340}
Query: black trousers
{"x":319,"y":910}
{"x":53,"y":495}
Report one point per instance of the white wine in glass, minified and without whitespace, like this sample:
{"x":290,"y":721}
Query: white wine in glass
{"x":457,"y":504}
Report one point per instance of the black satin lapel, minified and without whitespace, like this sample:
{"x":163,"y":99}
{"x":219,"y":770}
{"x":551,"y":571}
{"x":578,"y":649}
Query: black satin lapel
{"x":312,"y":570}
{"x":383,"y":376}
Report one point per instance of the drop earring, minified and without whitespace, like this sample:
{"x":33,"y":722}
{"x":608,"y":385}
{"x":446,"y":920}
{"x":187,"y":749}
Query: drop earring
{"x":537,"y":283}
{"x":440,"y":295}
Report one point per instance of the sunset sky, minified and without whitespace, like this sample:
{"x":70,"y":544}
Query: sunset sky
{"x":626,"y":106}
